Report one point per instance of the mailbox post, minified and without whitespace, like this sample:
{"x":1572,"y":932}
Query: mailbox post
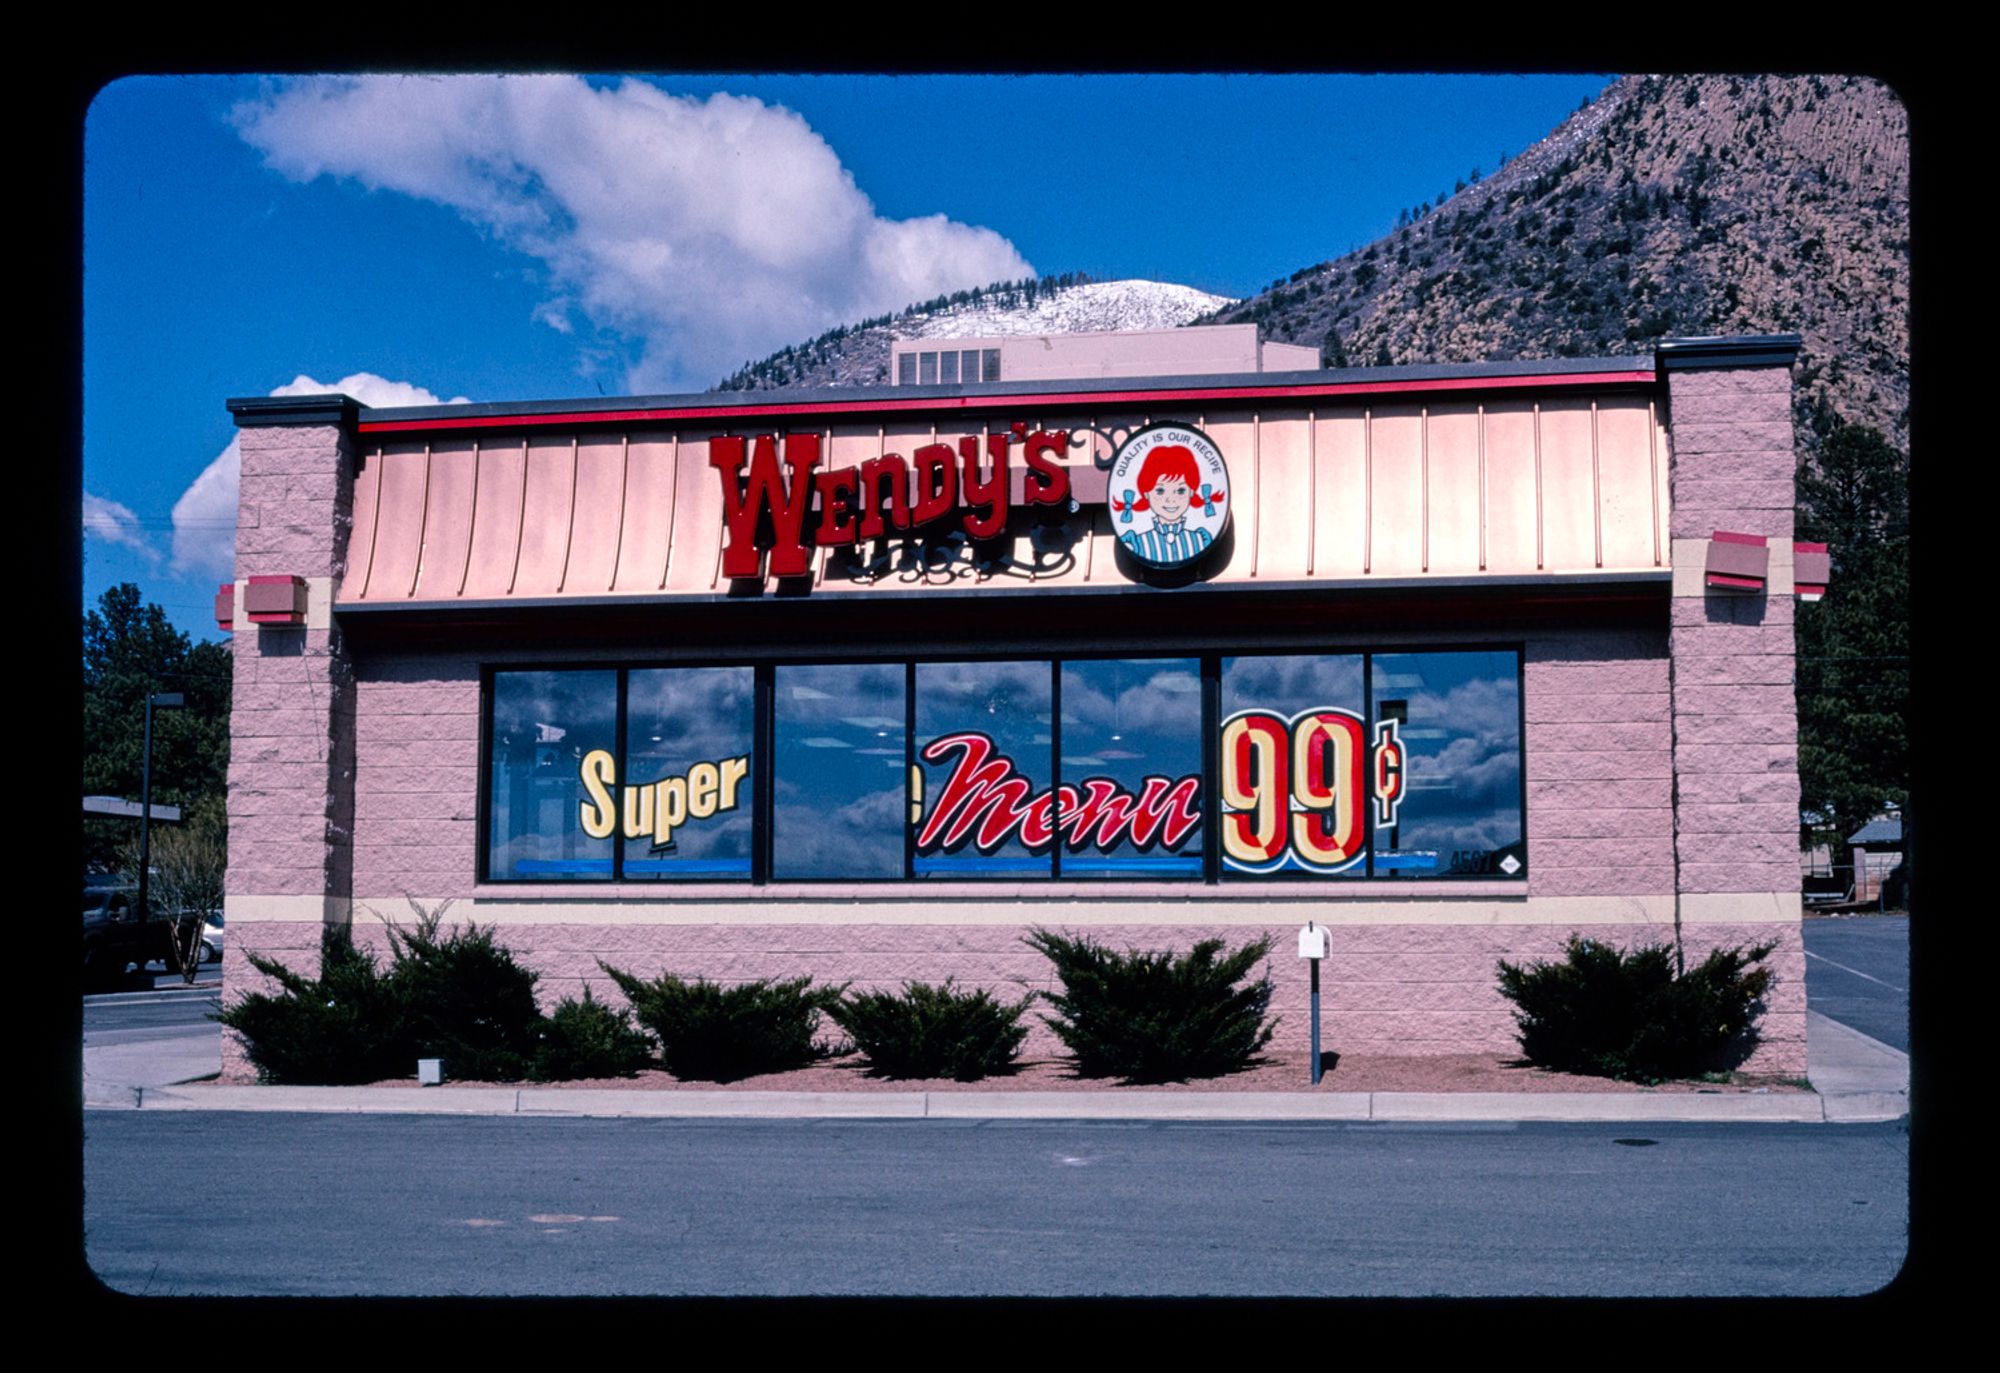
{"x":1312,"y":946}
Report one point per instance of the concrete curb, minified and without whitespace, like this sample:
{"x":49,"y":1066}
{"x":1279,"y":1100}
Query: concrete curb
{"x":1802,"y":1107}
{"x":115,"y":1096}
{"x":139,"y":996}
{"x":1854,"y":1107}
{"x":1605,"y":1107}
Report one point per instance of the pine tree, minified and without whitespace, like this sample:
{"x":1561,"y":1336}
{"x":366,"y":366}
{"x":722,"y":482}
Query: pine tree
{"x":1332,"y":352}
{"x":129,"y":651}
{"x":1854,"y":644}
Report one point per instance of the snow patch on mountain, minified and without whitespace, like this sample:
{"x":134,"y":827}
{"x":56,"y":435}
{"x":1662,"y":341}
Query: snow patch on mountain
{"x":858,"y":355}
{"x":1086,"y":308}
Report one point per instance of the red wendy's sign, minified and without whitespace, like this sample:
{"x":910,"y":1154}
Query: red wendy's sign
{"x":869,"y":500}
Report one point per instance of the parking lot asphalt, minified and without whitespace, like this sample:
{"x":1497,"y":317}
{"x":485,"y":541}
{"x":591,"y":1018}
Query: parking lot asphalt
{"x":1858,"y":973}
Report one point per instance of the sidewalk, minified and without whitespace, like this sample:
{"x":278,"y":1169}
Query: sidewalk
{"x":1856,"y":1079}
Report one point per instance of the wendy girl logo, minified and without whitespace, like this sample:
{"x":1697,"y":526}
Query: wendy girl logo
{"x":1169,"y":494}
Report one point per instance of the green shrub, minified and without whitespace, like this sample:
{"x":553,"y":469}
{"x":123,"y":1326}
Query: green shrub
{"x":345,"y":1026}
{"x":1628,"y":1016}
{"x":465,"y":999}
{"x":457,"y":996}
{"x":933,"y":1031}
{"x":590,"y":1039}
{"x":1158,"y":1017}
{"x":711,"y":1033}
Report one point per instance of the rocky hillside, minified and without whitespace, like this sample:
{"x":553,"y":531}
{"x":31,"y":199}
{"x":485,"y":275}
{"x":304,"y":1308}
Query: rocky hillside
{"x":858,"y":354}
{"x":1670,"y":205}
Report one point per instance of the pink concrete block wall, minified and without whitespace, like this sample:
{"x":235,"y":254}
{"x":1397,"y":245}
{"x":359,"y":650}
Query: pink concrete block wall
{"x":1732,"y":452}
{"x":1404,"y":990}
{"x":416,"y":779}
{"x":1599,"y":764}
{"x":294,"y":501}
{"x":289,"y":721}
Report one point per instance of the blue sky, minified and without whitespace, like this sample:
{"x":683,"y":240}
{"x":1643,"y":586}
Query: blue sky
{"x":438,"y":238}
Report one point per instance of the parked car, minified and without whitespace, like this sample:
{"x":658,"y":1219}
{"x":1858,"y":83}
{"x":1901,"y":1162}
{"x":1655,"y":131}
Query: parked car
{"x":211,"y":939}
{"x":208,"y":948}
{"x":114,"y":938}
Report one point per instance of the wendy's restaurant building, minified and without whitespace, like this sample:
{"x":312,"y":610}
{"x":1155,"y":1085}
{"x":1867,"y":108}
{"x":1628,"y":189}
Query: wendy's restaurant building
{"x":1452,"y":661}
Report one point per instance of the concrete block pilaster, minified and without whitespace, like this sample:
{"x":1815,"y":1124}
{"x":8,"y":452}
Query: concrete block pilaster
{"x":1736,"y":784}
{"x":291,"y":775}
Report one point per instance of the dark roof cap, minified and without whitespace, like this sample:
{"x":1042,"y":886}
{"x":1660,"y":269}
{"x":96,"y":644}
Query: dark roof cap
{"x":332,"y":408}
{"x":1731,"y":350}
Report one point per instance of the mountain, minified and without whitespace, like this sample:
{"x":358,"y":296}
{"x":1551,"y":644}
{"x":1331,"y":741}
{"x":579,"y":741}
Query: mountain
{"x":858,"y":355}
{"x":1670,"y":205}
{"x":1674,"y":205}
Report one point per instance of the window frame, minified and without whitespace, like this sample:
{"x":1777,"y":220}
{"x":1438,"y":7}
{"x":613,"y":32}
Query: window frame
{"x":1213,"y":873}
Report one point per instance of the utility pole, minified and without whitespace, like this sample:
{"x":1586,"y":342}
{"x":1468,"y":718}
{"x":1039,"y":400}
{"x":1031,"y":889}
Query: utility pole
{"x":165,"y":700}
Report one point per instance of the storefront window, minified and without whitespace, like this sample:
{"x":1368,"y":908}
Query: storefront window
{"x":984,"y":774}
{"x":841,"y":805}
{"x":544,"y":725}
{"x":686,"y":791}
{"x":1458,"y":718}
{"x":1131,"y":800}
{"x":1293,"y":749}
{"x":1399,"y":765}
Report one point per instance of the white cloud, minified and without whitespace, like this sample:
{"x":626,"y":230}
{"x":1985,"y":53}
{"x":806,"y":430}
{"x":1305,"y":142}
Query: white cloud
{"x":205,"y":520}
{"x":709,"y":231}
{"x":205,"y":515}
{"x":367,"y":388}
{"x":116,"y":524}
{"x":555,"y":314}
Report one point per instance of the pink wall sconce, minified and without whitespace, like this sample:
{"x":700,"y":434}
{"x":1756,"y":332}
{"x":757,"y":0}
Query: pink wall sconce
{"x":1812,"y":569}
{"x":279,"y":600}
{"x":1738,"y":562}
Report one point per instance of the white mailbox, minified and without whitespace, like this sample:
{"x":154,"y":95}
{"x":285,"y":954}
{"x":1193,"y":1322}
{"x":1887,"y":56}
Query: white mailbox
{"x":1312,"y":942}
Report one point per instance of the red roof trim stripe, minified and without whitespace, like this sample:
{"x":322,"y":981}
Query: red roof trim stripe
{"x":1038,"y":400}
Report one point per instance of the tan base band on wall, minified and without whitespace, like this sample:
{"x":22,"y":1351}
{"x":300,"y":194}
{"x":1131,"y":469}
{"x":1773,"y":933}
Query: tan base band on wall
{"x":278,"y":909}
{"x":1741,"y":908}
{"x":1730,"y":909}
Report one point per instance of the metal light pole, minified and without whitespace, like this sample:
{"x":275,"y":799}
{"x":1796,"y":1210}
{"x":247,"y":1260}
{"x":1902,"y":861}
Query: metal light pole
{"x":165,"y":700}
